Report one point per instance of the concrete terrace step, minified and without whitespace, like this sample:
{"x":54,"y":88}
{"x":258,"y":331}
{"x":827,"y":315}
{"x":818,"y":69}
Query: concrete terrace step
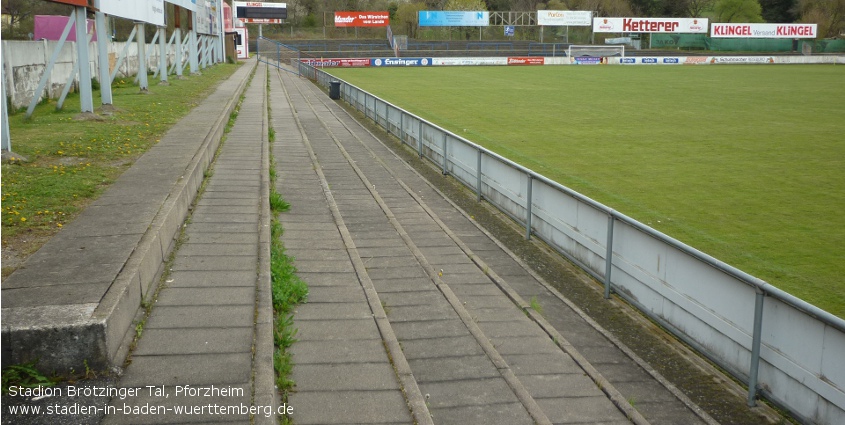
{"x":75,"y":299}
{"x":374,"y":240}
{"x":210,"y":324}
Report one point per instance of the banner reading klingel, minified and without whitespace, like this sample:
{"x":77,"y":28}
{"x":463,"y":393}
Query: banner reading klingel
{"x":764,"y":30}
{"x":659,"y":25}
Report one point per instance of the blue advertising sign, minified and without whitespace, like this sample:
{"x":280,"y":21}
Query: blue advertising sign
{"x":454,"y":19}
{"x":671,"y":60}
{"x":509,"y":30}
{"x":401,"y":62}
{"x":627,"y":60}
{"x":649,"y":60}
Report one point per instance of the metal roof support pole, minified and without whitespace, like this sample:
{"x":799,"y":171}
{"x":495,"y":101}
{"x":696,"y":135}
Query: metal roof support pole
{"x":86,"y":94}
{"x":162,"y":54}
{"x":755,"y":348}
{"x":49,"y":69}
{"x":186,"y":43}
{"x":148,"y":51}
{"x":142,"y":57}
{"x":177,"y":61}
{"x":193,"y":57}
{"x":69,"y":83}
{"x":6,"y":143}
{"x":103,"y":58}
{"x":124,"y":53}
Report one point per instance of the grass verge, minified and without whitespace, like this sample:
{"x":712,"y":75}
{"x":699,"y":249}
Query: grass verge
{"x":71,"y":161}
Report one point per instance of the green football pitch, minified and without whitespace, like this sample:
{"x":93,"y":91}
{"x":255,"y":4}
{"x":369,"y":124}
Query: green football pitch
{"x":745,"y":163}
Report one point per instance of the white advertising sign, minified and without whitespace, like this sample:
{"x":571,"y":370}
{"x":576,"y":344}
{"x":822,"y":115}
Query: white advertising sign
{"x":565,"y":18}
{"x":185,"y":4}
{"x":208,"y":19}
{"x":149,"y":11}
{"x":764,"y":30}
{"x":651,"y":25}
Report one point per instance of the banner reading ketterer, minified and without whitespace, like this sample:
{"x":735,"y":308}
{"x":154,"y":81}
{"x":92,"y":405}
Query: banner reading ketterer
{"x":651,"y":25}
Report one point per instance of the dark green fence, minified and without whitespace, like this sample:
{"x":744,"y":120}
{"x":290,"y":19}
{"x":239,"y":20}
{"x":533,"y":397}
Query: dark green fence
{"x":702,"y":42}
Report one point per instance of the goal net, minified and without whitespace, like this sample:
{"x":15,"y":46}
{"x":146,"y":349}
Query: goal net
{"x":601,"y":51}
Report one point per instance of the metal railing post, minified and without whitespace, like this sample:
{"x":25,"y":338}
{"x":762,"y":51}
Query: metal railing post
{"x":755,"y":348}
{"x":401,"y":126}
{"x":478,"y":172}
{"x":445,"y":137}
{"x":528,"y":203}
{"x":419,"y":140}
{"x":608,"y":260}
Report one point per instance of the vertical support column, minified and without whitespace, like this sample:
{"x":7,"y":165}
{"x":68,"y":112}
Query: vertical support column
{"x":177,"y":24}
{"x":86,"y":94}
{"x":755,"y":348}
{"x":192,"y":44}
{"x":5,"y":138}
{"x":608,"y":256}
{"x":103,"y":54}
{"x":420,"y":140}
{"x":141,"y":40}
{"x":162,"y":54}
{"x":478,"y":176}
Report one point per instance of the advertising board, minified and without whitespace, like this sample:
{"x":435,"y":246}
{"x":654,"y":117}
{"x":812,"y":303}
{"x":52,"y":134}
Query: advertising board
{"x":764,"y":30}
{"x":651,"y":25}
{"x":337,"y":63}
{"x":401,"y":62}
{"x":361,"y":19}
{"x":256,"y":12}
{"x":565,"y":18}
{"x":528,"y":60}
{"x":429,"y":18}
{"x":149,"y":11}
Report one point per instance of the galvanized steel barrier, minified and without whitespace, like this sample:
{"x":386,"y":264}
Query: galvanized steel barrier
{"x":783,"y":348}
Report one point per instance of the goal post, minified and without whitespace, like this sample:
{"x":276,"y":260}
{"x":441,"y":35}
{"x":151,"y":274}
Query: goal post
{"x":602,"y":51}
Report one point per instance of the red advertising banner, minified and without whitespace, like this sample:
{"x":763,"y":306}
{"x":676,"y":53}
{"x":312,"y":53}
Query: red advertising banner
{"x":81,"y":3}
{"x":526,"y":61}
{"x":361,"y":19}
{"x":335,"y":63}
{"x":764,"y":30}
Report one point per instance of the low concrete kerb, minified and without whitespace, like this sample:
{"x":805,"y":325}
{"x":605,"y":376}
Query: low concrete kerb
{"x":63,"y":338}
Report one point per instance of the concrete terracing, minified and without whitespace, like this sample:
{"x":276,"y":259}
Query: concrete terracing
{"x":416,"y":314}
{"x":75,"y":299}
